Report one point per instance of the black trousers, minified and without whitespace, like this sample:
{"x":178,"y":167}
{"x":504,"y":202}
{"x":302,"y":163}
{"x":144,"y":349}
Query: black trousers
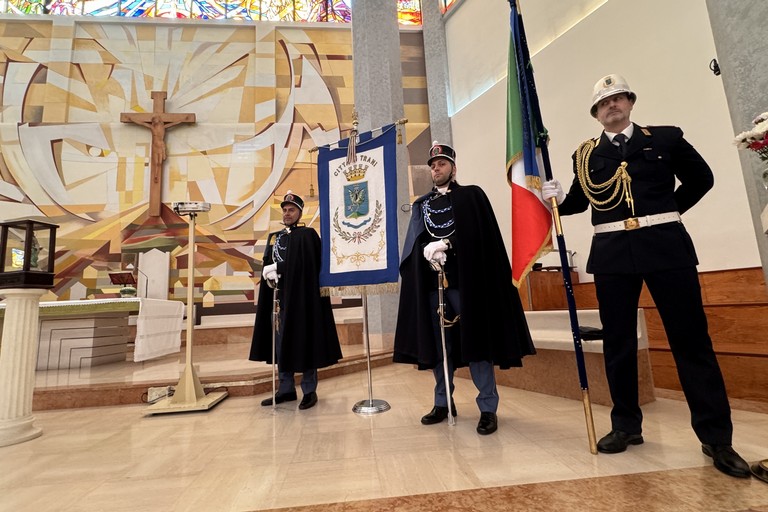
{"x":677,"y":295}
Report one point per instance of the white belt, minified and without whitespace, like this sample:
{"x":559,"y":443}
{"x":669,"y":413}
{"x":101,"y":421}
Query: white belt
{"x":638,"y":222}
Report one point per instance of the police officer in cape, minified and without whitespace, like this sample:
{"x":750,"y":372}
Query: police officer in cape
{"x":306,"y":337}
{"x":627,"y":176}
{"x":454,"y":226}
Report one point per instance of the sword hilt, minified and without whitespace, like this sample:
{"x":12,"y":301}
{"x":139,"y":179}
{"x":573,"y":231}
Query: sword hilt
{"x":437,"y":267}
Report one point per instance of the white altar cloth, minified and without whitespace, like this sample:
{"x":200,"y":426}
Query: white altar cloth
{"x":158,"y":328}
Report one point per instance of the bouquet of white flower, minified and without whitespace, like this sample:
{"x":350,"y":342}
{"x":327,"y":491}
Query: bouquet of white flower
{"x":755,"y":139}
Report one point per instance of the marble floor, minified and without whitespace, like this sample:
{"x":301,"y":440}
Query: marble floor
{"x":240,"y":456}
{"x":211,"y":357}
{"x":217,"y":360}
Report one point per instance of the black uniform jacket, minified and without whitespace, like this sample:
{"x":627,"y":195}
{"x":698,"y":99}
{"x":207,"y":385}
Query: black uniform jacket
{"x":309,"y":331}
{"x":492,"y":326}
{"x":657,"y":156}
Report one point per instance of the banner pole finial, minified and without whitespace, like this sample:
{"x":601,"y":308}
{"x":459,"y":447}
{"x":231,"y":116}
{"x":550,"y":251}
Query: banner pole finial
{"x":351,"y":147}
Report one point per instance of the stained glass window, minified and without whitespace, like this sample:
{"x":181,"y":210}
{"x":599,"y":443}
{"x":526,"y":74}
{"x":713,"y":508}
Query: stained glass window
{"x":103,"y":7}
{"x":233,"y":9}
{"x":27,"y":6}
{"x":65,"y":7}
{"x":409,"y":12}
{"x":447,"y":4}
{"x":338,"y":11}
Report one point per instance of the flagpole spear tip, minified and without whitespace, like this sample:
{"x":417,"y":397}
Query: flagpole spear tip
{"x":402,"y":120}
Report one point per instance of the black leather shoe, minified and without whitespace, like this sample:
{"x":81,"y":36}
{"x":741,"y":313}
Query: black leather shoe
{"x":727,"y":460}
{"x":309,"y":400}
{"x":760,"y":470}
{"x":616,"y":441}
{"x":437,"y":414}
{"x":488,"y":423}
{"x":286,"y":397}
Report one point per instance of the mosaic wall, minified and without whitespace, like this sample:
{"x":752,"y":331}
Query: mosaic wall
{"x":263,"y":95}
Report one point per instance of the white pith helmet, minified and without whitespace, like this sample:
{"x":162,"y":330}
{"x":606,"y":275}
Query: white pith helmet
{"x":608,"y":86}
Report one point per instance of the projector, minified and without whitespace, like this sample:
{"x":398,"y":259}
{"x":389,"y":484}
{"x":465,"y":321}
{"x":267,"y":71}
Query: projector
{"x":186,"y":207}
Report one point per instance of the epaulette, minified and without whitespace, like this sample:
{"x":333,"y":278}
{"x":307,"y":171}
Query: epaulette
{"x":648,"y":130}
{"x":594,"y":142}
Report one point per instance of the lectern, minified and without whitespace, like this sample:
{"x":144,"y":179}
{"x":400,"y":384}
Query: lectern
{"x":126,"y":281}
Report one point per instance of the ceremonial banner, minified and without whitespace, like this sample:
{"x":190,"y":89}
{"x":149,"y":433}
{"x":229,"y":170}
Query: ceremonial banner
{"x":531,"y":220}
{"x":358,"y":211}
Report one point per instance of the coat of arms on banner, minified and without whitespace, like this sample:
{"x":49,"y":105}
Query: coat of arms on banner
{"x":358,"y":223}
{"x":356,"y":200}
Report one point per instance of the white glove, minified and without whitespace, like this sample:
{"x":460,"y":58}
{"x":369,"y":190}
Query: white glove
{"x":435,"y":251}
{"x":270,"y":272}
{"x":440,"y":257}
{"x":552,"y":188}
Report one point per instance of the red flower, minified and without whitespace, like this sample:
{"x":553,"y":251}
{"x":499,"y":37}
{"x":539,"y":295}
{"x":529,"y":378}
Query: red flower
{"x":759,"y":144}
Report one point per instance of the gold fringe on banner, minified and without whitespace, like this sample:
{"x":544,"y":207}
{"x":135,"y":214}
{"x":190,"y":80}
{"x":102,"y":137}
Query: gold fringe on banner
{"x":370,"y":289}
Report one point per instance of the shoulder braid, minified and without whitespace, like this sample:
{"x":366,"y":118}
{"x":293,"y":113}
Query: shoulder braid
{"x":620,"y":181}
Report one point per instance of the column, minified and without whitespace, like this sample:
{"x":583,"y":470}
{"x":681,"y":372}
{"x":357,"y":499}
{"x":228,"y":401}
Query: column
{"x":18,"y":353}
{"x":436,"y":59}
{"x":742,"y":51}
{"x":379,"y":101}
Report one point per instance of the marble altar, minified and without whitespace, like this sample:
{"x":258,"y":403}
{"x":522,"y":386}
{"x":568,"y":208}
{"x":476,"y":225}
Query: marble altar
{"x":84,"y":333}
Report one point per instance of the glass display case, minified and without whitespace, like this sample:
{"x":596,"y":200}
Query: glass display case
{"x":28,"y":251}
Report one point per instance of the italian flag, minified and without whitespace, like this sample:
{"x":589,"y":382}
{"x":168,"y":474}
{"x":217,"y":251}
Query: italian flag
{"x":531,"y":219}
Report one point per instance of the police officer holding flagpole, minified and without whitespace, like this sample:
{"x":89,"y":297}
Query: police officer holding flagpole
{"x":638,"y":181}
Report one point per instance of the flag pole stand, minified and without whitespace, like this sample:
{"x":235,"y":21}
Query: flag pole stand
{"x":372,"y":405}
{"x":189,"y":394}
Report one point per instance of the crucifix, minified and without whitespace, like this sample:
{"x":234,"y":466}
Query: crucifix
{"x":158,"y":121}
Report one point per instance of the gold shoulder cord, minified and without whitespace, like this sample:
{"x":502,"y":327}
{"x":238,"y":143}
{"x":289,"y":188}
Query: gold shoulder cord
{"x":620,"y":181}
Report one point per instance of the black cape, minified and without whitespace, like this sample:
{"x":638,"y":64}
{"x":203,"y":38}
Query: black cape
{"x":309,"y":331}
{"x":492,"y":326}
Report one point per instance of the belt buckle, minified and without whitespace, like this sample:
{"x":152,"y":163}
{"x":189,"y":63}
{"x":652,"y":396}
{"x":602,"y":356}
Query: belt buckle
{"x":631,"y":224}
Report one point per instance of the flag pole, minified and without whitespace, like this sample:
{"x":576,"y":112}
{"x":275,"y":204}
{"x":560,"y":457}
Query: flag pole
{"x":541,"y":142}
{"x":372,"y":405}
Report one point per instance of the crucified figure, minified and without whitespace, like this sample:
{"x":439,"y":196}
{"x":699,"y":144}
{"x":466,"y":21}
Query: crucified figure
{"x":158,"y":121}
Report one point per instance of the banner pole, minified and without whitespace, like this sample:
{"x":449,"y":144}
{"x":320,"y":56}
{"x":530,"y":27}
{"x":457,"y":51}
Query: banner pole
{"x":370,"y":406}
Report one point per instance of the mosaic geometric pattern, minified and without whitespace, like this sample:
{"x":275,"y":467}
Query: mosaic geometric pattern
{"x":339,"y":11}
{"x":263,"y":94}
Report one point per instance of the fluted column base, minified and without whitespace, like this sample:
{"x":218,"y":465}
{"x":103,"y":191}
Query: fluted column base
{"x":18,"y":430}
{"x":18,"y":353}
